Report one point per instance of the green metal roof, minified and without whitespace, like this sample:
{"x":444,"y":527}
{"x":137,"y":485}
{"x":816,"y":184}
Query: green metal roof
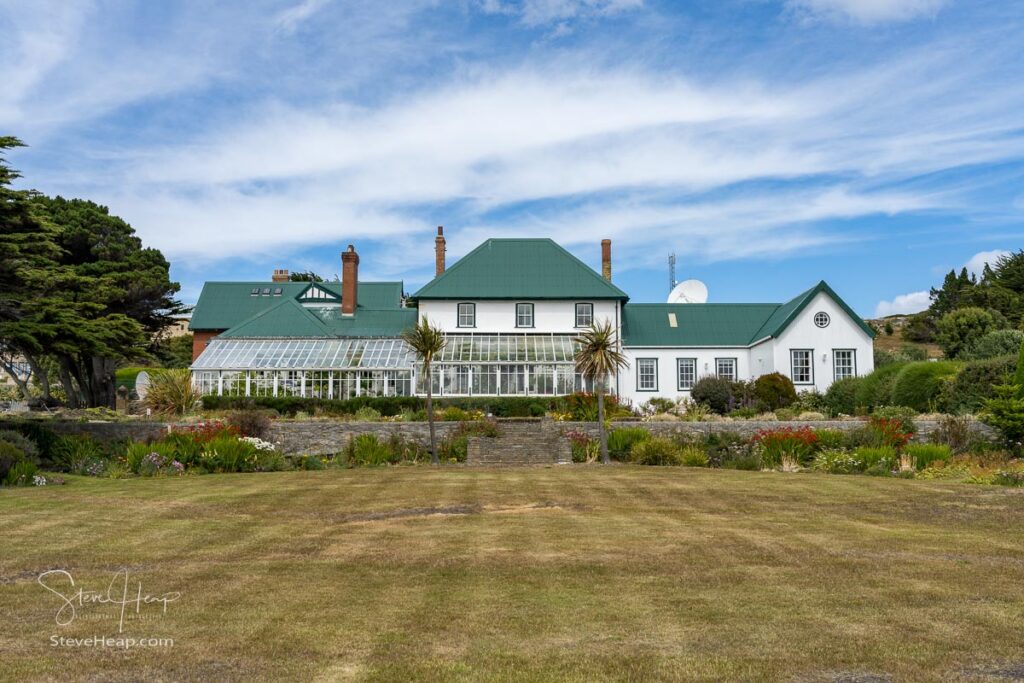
{"x":222,"y":305}
{"x":718,"y":324}
{"x":519,"y":269}
{"x":293,"y":320}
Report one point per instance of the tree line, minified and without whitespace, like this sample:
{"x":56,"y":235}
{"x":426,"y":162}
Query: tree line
{"x":79,"y":293}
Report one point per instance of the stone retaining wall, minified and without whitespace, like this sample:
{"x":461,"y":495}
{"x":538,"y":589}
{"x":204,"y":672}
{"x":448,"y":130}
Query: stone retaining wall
{"x":327,"y":437}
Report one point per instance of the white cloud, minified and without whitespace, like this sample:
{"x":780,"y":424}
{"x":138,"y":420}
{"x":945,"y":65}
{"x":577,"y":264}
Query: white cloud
{"x":865,"y":12}
{"x":976,"y":264}
{"x":914,"y":302}
{"x":288,"y":20}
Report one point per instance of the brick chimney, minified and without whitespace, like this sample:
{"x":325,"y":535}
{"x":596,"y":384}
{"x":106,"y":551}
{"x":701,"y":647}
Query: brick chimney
{"x":606,"y":260}
{"x":279,"y":275}
{"x":349,"y":280}
{"x":439,"y":250}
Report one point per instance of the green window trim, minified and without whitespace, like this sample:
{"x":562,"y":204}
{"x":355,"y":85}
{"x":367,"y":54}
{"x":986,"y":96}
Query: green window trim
{"x":640,"y":374}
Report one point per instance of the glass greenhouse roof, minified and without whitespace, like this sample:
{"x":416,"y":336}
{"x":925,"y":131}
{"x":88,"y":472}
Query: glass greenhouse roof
{"x":232,"y":354}
{"x":324,"y":354}
{"x":508,"y":348}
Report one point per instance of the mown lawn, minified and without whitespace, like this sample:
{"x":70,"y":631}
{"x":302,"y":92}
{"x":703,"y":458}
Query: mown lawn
{"x":574,"y":573}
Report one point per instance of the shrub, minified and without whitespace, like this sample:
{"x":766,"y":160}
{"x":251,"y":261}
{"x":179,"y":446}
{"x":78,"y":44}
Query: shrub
{"x":367,"y":450}
{"x":44,"y":437}
{"x":954,"y":432}
{"x":963,"y":327}
{"x":830,"y":439}
{"x":731,"y":450}
{"x":309,"y":462}
{"x":659,"y":405}
{"x":24,"y":444}
{"x":993,"y":344}
{"x":656,"y":450}
{"x":171,"y":392}
{"x":584,"y":449}
{"x":693,"y":411}
{"x":622,"y":439}
{"x":923,"y":455}
{"x":841,"y":397}
{"x":810,"y":416}
{"x":229,"y":454}
{"x":1005,"y":412}
{"x":785,"y":414}
{"x":974,"y":384}
{"x":692,"y":455}
{"x":812,"y":400}
{"x":251,"y":422}
{"x":774,"y":390}
{"x":77,"y":454}
{"x":784,"y":445}
{"x":367,"y":414}
{"x":715,"y":393}
{"x":918,"y":385}
{"x":10,"y":456}
{"x":880,"y":458}
{"x":20,"y":473}
{"x":905,"y":354}
{"x":744,"y":413}
{"x":891,"y":432}
{"x":837,"y":461}
{"x":876,"y":389}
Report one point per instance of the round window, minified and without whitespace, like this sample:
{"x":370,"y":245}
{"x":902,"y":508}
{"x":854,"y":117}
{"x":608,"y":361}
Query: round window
{"x":821,"y":319}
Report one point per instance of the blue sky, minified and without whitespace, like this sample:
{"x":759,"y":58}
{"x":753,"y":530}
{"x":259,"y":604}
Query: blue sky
{"x":768,"y":143}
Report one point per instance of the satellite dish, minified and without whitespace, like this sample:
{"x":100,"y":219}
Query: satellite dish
{"x":689,"y":292}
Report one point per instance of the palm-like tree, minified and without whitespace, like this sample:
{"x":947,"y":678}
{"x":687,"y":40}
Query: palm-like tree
{"x":597,"y":357}
{"x":427,"y":342}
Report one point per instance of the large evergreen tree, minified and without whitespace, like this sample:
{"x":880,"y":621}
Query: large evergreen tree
{"x":77,"y":289}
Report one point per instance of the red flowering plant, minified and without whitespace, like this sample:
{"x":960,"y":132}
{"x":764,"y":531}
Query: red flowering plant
{"x":204,"y":432}
{"x":785,"y":446}
{"x":890,"y":432}
{"x":584,"y":449}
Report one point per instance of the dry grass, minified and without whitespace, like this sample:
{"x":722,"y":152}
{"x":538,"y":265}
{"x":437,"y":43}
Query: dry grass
{"x":578,"y":573}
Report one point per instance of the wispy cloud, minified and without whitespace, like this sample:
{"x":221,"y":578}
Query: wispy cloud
{"x":541,"y":12}
{"x":865,"y":11}
{"x":976,"y":264}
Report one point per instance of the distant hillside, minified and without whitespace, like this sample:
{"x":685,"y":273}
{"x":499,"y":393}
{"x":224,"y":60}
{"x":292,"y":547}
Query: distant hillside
{"x":895,"y":341}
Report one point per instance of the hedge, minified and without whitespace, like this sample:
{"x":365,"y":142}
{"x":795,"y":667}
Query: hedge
{"x":876,"y":389}
{"x":505,"y":406}
{"x":918,"y":385}
{"x":973,"y":385}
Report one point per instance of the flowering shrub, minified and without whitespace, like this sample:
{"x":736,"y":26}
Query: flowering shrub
{"x":890,"y":432}
{"x":257,"y":443}
{"x":785,"y":446}
{"x":584,"y":449}
{"x":837,"y":461}
{"x":204,"y":432}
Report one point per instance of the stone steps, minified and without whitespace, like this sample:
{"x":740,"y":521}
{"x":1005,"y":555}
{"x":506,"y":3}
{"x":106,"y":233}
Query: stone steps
{"x":521,"y":443}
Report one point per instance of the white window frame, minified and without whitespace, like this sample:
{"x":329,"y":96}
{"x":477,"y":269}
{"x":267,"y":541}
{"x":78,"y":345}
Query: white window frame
{"x":650,"y":363}
{"x":472,"y":315}
{"x":810,"y":366}
{"x":835,"y":363}
{"x":589,"y":315}
{"x":735,"y":368}
{"x":519,"y":316}
{"x":682,"y":385}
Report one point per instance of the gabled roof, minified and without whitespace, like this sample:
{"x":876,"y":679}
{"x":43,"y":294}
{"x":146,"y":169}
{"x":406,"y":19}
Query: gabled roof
{"x":222,"y":305}
{"x":519,"y":269}
{"x":293,"y":320}
{"x":718,"y":325}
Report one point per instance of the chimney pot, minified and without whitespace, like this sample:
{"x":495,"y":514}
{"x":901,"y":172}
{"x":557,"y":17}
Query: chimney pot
{"x":280,"y":275}
{"x":439,"y":250}
{"x":349,"y":281}
{"x":606,"y":260}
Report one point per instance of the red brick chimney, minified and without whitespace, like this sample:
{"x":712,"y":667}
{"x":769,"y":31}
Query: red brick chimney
{"x":439,"y":250}
{"x":606,"y":260}
{"x":279,"y":275}
{"x":349,"y":281}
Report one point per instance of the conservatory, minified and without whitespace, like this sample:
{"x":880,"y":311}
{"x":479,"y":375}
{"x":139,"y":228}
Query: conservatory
{"x":469,"y":365}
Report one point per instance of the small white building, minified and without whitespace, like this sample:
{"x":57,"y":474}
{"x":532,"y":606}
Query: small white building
{"x":510,"y":310}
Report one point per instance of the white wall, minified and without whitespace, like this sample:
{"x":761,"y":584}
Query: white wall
{"x":500,"y":316}
{"x":841,"y":333}
{"x":668,"y":386}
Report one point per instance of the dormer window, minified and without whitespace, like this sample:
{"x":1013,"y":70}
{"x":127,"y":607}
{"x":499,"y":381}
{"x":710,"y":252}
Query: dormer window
{"x":467,"y":315}
{"x":584,"y":315}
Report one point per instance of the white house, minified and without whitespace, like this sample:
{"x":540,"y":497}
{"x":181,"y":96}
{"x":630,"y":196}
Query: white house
{"x":510,"y":310}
